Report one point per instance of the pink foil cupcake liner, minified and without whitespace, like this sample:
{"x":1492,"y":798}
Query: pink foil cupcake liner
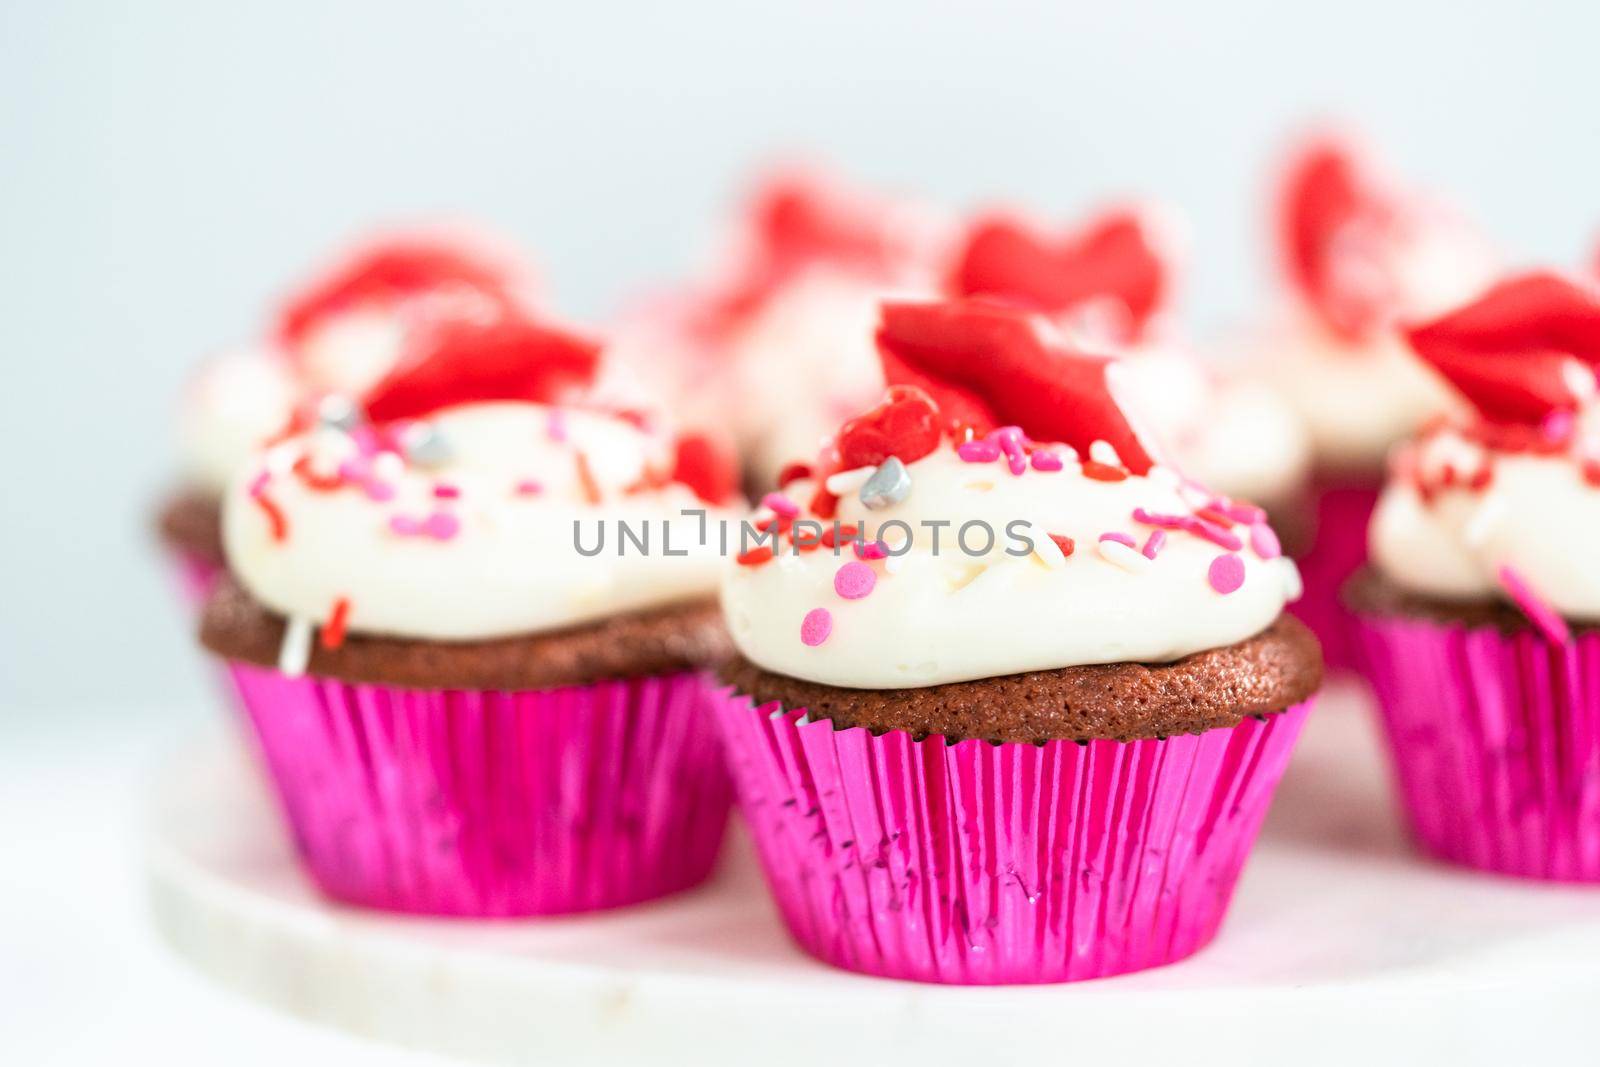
{"x":486,"y":804}
{"x":1339,"y":548}
{"x":984,"y":864}
{"x":1496,"y":742}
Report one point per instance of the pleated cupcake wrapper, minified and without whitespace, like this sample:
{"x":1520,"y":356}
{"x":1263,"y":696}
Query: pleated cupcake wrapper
{"x":1496,"y":742}
{"x":984,"y":864}
{"x":196,"y":577}
{"x":494,"y":803}
{"x":1338,"y":551}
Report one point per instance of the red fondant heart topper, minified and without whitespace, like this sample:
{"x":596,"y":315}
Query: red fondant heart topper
{"x":1510,"y":352}
{"x":449,"y":361}
{"x":987,"y":365}
{"x":1336,"y":218}
{"x":1115,"y":257}
{"x":397,"y":268}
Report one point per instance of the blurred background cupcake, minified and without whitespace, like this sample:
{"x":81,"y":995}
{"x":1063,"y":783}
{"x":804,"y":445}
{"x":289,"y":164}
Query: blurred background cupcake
{"x":472,"y":699}
{"x":1477,"y":618}
{"x":990,"y":629}
{"x":1359,"y":254}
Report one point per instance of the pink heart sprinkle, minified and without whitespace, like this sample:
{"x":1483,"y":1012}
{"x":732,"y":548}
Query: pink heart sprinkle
{"x":816,"y":626}
{"x":854,"y":581}
{"x":1226,"y":573}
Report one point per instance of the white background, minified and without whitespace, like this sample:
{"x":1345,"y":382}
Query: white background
{"x":166,"y":167}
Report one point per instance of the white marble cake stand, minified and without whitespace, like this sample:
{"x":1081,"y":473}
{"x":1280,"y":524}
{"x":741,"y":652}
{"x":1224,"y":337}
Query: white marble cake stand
{"x":1341,"y":945}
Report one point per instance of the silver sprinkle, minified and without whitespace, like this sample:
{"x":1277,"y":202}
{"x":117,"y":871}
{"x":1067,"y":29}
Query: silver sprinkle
{"x":338,"y":413}
{"x":425,"y":446}
{"x":889,"y":484}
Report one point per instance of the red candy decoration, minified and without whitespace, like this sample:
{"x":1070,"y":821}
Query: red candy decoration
{"x":905,"y":424}
{"x":1507,"y":351}
{"x":1115,"y":257}
{"x":454,"y":361}
{"x":393,"y":269}
{"x":705,"y":467}
{"x":987,"y":366}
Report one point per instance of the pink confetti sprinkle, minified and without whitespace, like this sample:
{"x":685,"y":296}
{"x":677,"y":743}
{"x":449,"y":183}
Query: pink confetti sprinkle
{"x":854,"y":581}
{"x":441,"y":526}
{"x":1538,"y":610}
{"x":1264,"y":541}
{"x":1046,"y":461}
{"x":870,"y":549}
{"x":1226,"y":573}
{"x":1120,"y":538}
{"x":529,"y":487}
{"x":781,"y":505}
{"x":979,"y":452}
{"x":556,"y":425}
{"x":816,"y":626}
{"x":446,"y":491}
{"x":1154,"y":543}
{"x":404,"y":525}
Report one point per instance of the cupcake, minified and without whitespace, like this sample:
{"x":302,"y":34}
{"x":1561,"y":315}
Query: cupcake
{"x":1359,"y":254}
{"x":1111,"y":282}
{"x":1010,"y":698}
{"x":337,"y":333}
{"x":474,"y":693}
{"x":1479,"y":616}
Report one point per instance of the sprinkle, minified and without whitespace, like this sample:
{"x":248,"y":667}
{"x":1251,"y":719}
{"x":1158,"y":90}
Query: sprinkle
{"x":1120,"y":538}
{"x":1213,"y":533}
{"x":295,"y":652}
{"x":889,"y":484}
{"x":591,"y":488}
{"x":1103,"y":472}
{"x":555,"y":427}
{"x":892,"y":564}
{"x":319,"y":483}
{"x":1123,"y":556}
{"x":1536,"y":608}
{"x":1102,"y":452}
{"x":816,"y":626}
{"x":793,"y":472}
{"x":979,"y":452}
{"x":1212,"y":515}
{"x":528,"y":487}
{"x":446,"y":491}
{"x":1046,"y":461}
{"x":1483,"y":476}
{"x":846,"y":482}
{"x":1046,"y":548}
{"x":754,"y":557}
{"x":1591,"y":472}
{"x":1264,"y":541}
{"x":404,"y":525}
{"x":333,"y":630}
{"x":824,"y":503}
{"x":780,"y":505}
{"x":338,"y":413}
{"x":366,"y":439}
{"x":1557,"y":426}
{"x":1239,"y":511}
{"x":1064,"y":543}
{"x":1293,"y":586}
{"x":1153,"y":544}
{"x":258,"y":484}
{"x":1151,"y":518}
{"x":1009,"y":438}
{"x":441,"y":526}
{"x":839,"y":532}
{"x":870,"y":550}
{"x":1226,"y":573}
{"x":276,"y":523}
{"x":377,"y":490}
{"x":854,"y":581}
{"x":424,"y":445}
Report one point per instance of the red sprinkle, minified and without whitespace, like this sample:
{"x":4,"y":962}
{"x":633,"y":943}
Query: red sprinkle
{"x":755,"y":557}
{"x":591,"y":488}
{"x":1103,"y":472}
{"x":275,"y":518}
{"x":845,"y":532}
{"x":824,"y":505}
{"x":1591,"y":472}
{"x":793,"y":473}
{"x":333,"y":631}
{"x":321,"y":483}
{"x":1064,"y":543}
{"x":1221,"y":518}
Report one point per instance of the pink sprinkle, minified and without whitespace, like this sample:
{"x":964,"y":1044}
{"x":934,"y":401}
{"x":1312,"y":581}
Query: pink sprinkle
{"x":979,"y":452}
{"x":1557,"y":426}
{"x":258,"y":484}
{"x":1226,"y":573}
{"x":870,"y":549}
{"x":1120,"y":538}
{"x":854,"y":581}
{"x":816,"y":626}
{"x":1153,"y":544}
{"x":1210,"y":531}
{"x":556,"y":425}
{"x":1264,"y":541}
{"x":378,"y":490}
{"x":1246,"y":514}
{"x":404,"y":525}
{"x":1009,"y":438}
{"x":366,"y":439}
{"x":441,"y":526}
{"x":529,"y":487}
{"x":780,"y":505}
{"x":446,"y":491}
{"x":1166,"y":522}
{"x":355,"y":470}
{"x":1535,"y":607}
{"x":1046,"y":461}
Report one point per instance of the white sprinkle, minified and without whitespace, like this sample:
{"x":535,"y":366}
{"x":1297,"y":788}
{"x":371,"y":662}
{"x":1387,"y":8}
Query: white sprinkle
{"x":892,"y":564}
{"x":1481,"y":523}
{"x":1292,"y":585}
{"x":1102,"y":452}
{"x":1045,"y":548}
{"x":295,"y":652}
{"x":1068,"y":453}
{"x":846,"y":482}
{"x":1129,"y":559}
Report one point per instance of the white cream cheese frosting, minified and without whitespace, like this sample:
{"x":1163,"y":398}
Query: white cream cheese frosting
{"x":474,"y":537}
{"x":955,"y":612}
{"x":230,"y":408}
